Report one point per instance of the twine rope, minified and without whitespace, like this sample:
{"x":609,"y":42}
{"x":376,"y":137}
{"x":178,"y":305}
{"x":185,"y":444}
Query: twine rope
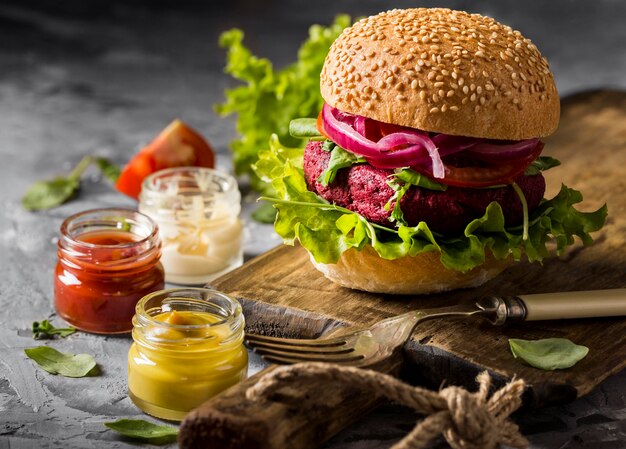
{"x":466,"y":420}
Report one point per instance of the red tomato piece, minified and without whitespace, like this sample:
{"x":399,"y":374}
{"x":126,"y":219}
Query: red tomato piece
{"x":486,"y":176}
{"x":176,"y":146}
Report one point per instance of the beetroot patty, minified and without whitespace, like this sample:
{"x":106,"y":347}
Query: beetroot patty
{"x":363,"y":189}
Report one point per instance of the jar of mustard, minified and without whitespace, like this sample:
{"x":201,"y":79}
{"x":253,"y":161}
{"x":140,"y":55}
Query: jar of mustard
{"x":187,"y":347}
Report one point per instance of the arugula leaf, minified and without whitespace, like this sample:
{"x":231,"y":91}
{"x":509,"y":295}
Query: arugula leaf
{"x":144,"y":431}
{"x":416,"y":179}
{"x":549,"y":353}
{"x":55,"y":362}
{"x":542,"y":163}
{"x":48,"y":194}
{"x":269,"y":98}
{"x":109,"y":170}
{"x":339,"y":158}
{"x":407,"y":178}
{"x":45,"y":330}
{"x":303,"y":128}
{"x":265,"y":213}
{"x":327,"y":230}
{"x":328,"y":145}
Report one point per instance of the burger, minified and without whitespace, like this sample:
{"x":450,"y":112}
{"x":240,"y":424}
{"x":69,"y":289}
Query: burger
{"x":423,"y":172}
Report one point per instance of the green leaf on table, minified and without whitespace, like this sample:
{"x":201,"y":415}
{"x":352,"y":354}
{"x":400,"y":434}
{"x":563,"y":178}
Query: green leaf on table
{"x":44,"y":330}
{"x":55,"y":362}
{"x":145,"y":431}
{"x":48,"y":194}
{"x":549,"y":353}
{"x":264,"y":213}
{"x":108,"y":169}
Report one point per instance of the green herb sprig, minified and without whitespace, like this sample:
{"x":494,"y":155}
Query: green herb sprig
{"x":54,"y":192}
{"x":43,"y":330}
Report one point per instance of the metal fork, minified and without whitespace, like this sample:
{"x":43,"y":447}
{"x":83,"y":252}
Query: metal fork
{"x":371,"y":345}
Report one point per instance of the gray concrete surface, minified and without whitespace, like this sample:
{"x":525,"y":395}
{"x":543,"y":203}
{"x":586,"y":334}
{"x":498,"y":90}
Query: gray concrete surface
{"x":103,"y":77}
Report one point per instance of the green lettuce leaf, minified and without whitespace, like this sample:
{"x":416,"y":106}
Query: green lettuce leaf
{"x":339,"y":158}
{"x":327,"y":230}
{"x":269,"y":99}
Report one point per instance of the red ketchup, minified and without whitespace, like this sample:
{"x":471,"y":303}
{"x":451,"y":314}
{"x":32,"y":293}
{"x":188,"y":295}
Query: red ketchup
{"x":108,"y":259}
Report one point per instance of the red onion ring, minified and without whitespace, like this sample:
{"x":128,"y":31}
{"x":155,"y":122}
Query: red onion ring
{"x":352,"y":140}
{"x":398,"y":146}
{"x":491,"y":152}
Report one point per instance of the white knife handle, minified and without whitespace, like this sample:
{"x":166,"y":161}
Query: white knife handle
{"x":584,"y":304}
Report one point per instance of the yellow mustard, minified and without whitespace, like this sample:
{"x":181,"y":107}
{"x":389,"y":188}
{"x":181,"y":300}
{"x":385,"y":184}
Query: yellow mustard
{"x":188,"y":347}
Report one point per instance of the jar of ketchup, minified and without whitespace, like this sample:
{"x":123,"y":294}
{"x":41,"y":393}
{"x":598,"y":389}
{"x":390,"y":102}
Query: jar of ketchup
{"x":108,"y":259}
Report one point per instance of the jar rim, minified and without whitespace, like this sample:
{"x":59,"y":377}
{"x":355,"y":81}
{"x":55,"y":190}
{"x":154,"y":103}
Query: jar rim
{"x":149,"y":184}
{"x":145,"y":318}
{"x":143,"y":218}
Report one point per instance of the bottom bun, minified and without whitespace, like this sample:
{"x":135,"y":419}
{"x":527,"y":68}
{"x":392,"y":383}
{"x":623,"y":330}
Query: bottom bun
{"x":422,"y":274}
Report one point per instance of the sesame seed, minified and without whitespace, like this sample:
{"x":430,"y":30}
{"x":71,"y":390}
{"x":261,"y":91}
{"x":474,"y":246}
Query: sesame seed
{"x":414,"y":84}
{"x":434,"y":110}
{"x":473,"y":97}
{"x":423,"y":95}
{"x":400,"y":97}
{"x":450,"y":93}
{"x":465,"y":89}
{"x":443,"y":108}
{"x":454,"y":108}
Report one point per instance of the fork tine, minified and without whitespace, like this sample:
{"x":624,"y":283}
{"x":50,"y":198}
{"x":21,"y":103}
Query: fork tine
{"x":261,"y":345}
{"x":272,"y":355}
{"x":253,"y":339}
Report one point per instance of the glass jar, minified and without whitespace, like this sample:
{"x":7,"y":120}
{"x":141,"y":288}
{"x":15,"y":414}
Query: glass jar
{"x":197,"y":210}
{"x":188,"y":347}
{"x":108,"y":259}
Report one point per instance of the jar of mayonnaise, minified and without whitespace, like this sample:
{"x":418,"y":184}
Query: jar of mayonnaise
{"x":197,"y":211}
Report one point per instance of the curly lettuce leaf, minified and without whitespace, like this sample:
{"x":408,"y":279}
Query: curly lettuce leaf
{"x":269,"y":98}
{"x":327,"y":230}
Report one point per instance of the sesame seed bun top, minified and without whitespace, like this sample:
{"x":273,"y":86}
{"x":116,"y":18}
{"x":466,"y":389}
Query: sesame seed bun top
{"x":443,"y":71}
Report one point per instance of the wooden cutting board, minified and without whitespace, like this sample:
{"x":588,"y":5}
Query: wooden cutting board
{"x":284,"y":295}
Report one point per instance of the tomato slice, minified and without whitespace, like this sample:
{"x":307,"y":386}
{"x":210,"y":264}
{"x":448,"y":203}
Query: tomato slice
{"x":484,"y":176}
{"x":177,"y":145}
